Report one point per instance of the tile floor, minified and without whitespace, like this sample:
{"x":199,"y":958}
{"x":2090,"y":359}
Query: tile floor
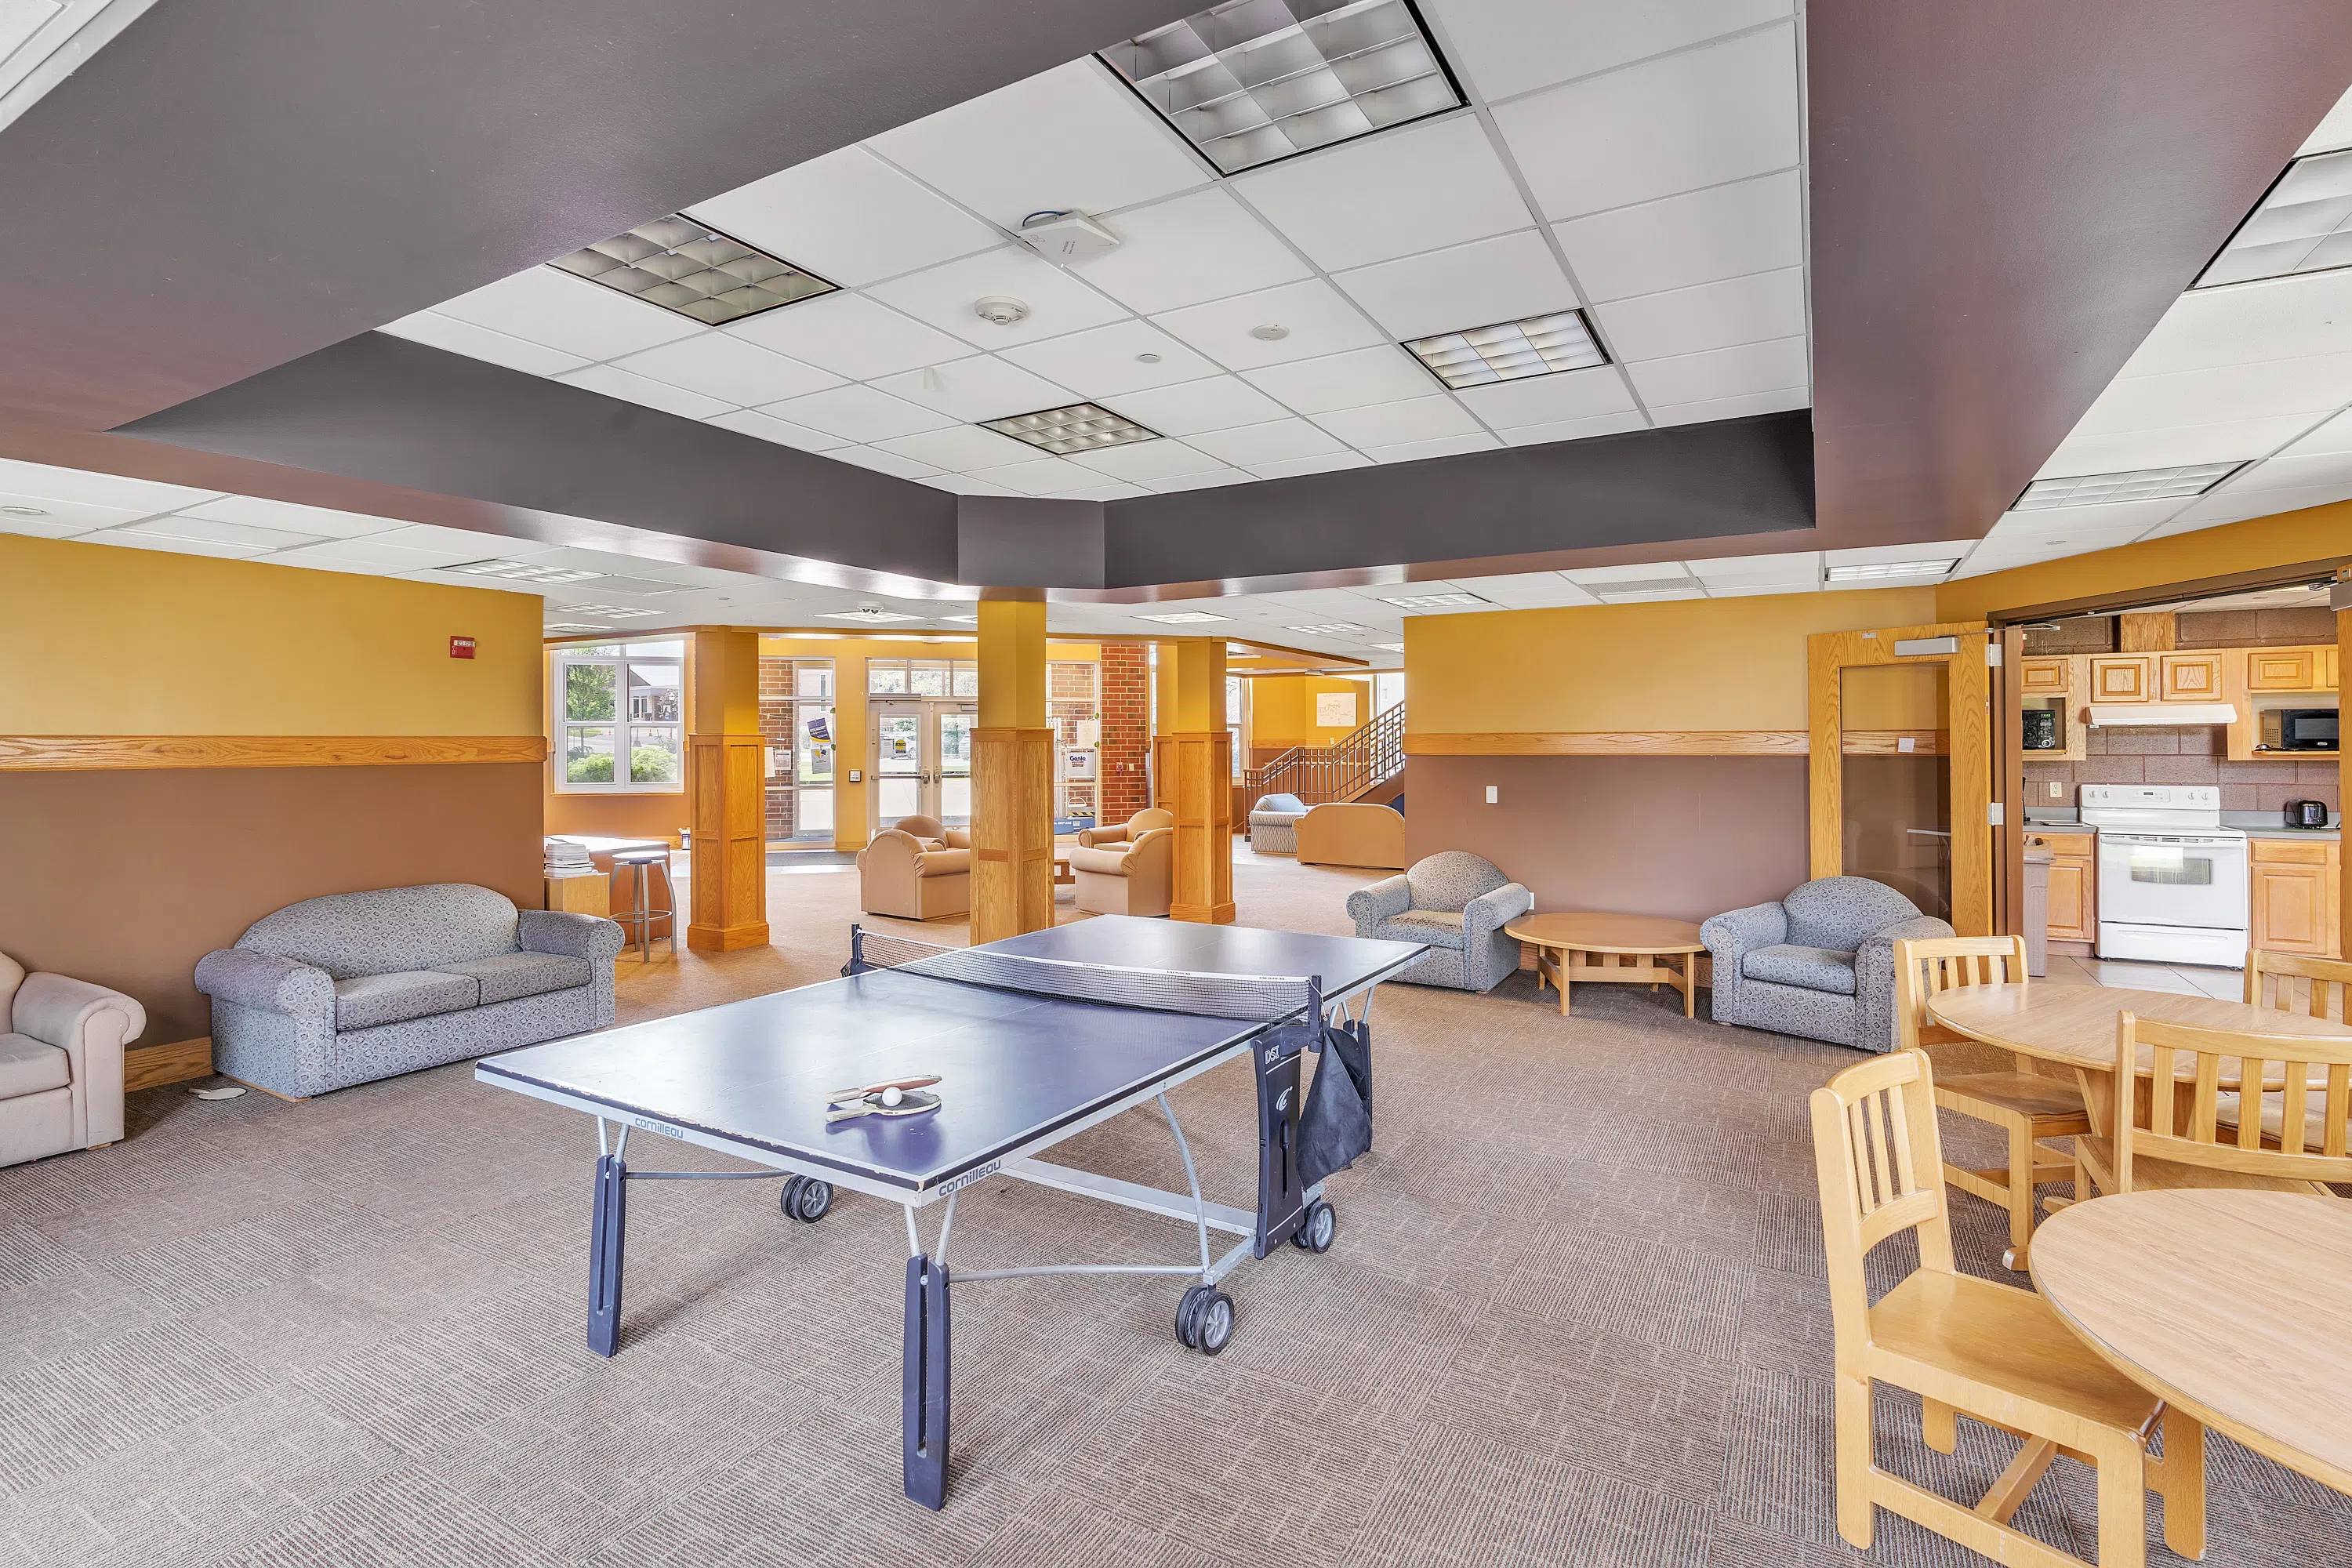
{"x":2185,"y":978}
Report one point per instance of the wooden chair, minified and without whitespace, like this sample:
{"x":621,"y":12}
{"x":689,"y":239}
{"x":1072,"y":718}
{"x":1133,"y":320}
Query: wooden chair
{"x":1964,"y":1344}
{"x":2327,"y":993}
{"x":2026,"y":1105}
{"x":2191,"y":1132}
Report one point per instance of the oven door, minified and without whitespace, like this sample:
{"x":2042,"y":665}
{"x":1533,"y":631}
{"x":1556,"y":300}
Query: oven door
{"x":2173,"y":879}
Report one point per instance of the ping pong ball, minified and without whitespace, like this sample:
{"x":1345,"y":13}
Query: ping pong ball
{"x":892,"y":1095}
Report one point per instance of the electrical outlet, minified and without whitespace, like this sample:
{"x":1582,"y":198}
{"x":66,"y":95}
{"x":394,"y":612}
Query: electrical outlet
{"x":1494,"y":794}
{"x":2057,"y":790}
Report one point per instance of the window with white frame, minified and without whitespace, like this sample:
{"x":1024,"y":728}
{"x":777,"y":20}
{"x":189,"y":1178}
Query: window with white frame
{"x":620,"y":712}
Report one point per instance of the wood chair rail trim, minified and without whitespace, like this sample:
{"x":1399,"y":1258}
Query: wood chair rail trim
{"x":62,"y":754}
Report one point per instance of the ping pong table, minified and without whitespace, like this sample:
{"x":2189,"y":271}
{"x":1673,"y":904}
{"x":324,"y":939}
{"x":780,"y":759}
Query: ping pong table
{"x":1034,"y":1039}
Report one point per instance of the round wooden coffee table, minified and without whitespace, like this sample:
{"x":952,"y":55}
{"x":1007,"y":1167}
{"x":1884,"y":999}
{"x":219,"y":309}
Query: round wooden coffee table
{"x":1626,"y":950}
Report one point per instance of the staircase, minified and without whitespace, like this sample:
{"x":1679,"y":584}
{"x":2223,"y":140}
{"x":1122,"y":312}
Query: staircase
{"x":1350,"y":769}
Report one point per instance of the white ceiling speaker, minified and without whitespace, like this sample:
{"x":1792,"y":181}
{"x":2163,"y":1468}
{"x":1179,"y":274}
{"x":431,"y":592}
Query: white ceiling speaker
{"x":1272,"y":333}
{"x":999,"y":310}
{"x":1066,"y":238}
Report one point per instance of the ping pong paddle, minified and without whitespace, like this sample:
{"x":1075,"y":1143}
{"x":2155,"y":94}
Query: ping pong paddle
{"x":915,"y":1104}
{"x":843,"y":1096}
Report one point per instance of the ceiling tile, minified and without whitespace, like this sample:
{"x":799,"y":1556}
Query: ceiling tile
{"x":56,"y":518}
{"x":1101,"y":489}
{"x":1510,"y":47}
{"x":883,"y":462}
{"x":1572,"y":429}
{"x":1318,"y":320}
{"x":1405,"y":190}
{"x":966,"y":448}
{"x":1700,"y":118}
{"x":848,"y":217}
{"x":2076,"y":521}
{"x":1642,"y":572}
{"x":2324,"y":469}
{"x":1214,"y":477}
{"x":2228,"y":505}
{"x":1102,"y":362}
{"x":1214,"y":403}
{"x":849,"y":335}
{"x":1753,"y":588}
{"x":1072,"y":138}
{"x":2332,"y":133}
{"x":435,"y":329}
{"x":132,"y":541}
{"x":1387,"y":423}
{"x":1039,"y":476}
{"x":2310,"y":383}
{"x":783,"y":432}
{"x":859,"y":414}
{"x":1384,"y":373}
{"x":2227,"y":441}
{"x":461,"y":543}
{"x":728,"y":369}
{"x":1145,"y":461}
{"x":1740,"y":372}
{"x":1324,"y":463}
{"x":1276,"y":440}
{"x":366,"y":555}
{"x":140,"y":496}
{"x":289,"y":517}
{"x":944,"y":297}
{"x":2335,"y":436}
{"x":2274,"y":319}
{"x":203,"y":530}
{"x":544,"y":306}
{"x":981,"y":387}
{"x":1799,"y":567}
{"x":1506,"y":278}
{"x":1527,"y":590}
{"x":643,"y":390}
{"x":966,"y":484}
{"x":1441,"y":447}
{"x":1921,"y":550}
{"x":1189,"y":249}
{"x":1753,"y":225}
{"x":1710,"y":409}
{"x":1544,"y":399}
{"x":1751,"y":310}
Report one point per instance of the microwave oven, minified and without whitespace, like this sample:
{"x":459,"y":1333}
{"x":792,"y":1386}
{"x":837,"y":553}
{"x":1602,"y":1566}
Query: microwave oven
{"x":2298,"y":730}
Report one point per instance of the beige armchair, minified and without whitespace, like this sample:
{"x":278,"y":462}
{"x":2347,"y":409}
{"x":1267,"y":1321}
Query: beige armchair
{"x":60,"y":1062}
{"x":929,"y":829}
{"x":1348,"y":833}
{"x":1127,"y":832}
{"x":896,"y":875}
{"x":1127,"y":879}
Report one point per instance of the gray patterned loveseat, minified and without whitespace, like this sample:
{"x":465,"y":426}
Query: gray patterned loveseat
{"x":342,"y":990}
{"x":1819,"y":963}
{"x":1458,"y":904}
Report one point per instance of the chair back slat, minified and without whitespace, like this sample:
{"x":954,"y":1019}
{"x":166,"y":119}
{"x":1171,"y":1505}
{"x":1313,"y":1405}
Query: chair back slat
{"x":1880,"y":1165}
{"x":2260,"y":1105}
{"x":1926,"y":965}
{"x":2295,"y":982}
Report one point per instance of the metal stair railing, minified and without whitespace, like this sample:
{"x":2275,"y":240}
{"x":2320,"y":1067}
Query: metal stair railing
{"x":1345,"y":769}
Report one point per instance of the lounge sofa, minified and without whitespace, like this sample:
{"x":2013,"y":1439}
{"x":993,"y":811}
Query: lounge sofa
{"x":1456,"y":903}
{"x":914,"y":876}
{"x":1348,"y":833}
{"x":1819,"y":964}
{"x":1274,"y":824}
{"x":357,"y":986}
{"x":60,"y":1062}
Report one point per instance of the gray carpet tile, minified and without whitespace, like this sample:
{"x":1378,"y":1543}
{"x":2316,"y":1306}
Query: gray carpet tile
{"x":1576,"y":1314}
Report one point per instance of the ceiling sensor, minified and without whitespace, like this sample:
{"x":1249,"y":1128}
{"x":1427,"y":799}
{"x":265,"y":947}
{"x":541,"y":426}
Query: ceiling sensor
{"x":998,"y":311}
{"x":1147,"y":359}
{"x":1272,"y":333}
{"x":1066,"y":238}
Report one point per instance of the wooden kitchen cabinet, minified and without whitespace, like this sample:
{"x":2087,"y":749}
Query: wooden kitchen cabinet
{"x":2188,"y":676}
{"x":2325,"y":678}
{"x":2044,"y":677}
{"x":2282,"y":669}
{"x":2074,"y":887}
{"x":2123,"y":678}
{"x":2297,"y":886}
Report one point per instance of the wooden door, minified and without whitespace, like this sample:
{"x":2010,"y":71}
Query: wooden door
{"x":2043,"y":677}
{"x":2188,"y":676}
{"x":2280,"y":670}
{"x":2123,"y":678}
{"x":2070,"y":899}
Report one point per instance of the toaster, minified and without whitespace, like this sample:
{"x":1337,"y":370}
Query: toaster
{"x":2307,"y":814}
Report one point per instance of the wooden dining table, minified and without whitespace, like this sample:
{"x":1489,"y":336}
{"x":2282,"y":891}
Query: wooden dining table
{"x":2234,"y":1306}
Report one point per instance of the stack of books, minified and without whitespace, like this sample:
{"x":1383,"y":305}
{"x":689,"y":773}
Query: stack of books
{"x":568,"y":858}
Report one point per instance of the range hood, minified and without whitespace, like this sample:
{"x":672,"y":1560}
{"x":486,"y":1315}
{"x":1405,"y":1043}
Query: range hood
{"x":2115,"y":715}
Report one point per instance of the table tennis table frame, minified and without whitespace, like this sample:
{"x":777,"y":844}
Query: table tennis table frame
{"x":1283,"y":1200}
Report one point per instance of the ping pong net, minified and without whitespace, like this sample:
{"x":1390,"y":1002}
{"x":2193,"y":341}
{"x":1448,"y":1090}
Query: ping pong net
{"x":1260,"y":998}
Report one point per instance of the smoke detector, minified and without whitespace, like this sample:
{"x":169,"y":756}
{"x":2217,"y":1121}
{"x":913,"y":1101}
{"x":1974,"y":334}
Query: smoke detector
{"x":999,"y":310}
{"x":1272,"y":333}
{"x":1066,"y":238}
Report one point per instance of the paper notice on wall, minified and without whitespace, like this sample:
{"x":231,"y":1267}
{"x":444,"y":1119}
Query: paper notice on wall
{"x":1906,"y":743}
{"x":1089,"y":732}
{"x":1335,"y":709}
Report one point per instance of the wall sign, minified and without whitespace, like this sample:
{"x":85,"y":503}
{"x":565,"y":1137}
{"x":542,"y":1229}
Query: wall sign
{"x":1335,"y":709}
{"x":461,"y":648}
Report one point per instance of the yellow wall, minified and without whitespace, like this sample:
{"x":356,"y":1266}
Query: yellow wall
{"x":2289,"y":539}
{"x":1685,"y":663}
{"x":99,"y":639}
{"x":1282,"y":710}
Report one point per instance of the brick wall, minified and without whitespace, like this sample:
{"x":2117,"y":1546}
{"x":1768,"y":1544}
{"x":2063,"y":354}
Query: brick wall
{"x":776,"y":725}
{"x":1126,"y":728}
{"x":2190,"y":755}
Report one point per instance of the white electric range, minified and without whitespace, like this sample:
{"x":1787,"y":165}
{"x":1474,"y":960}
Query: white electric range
{"x":2173,"y":880}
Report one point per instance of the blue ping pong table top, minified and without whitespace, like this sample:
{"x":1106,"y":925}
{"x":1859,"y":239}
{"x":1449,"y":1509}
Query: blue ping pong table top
{"x":1013,"y":1068}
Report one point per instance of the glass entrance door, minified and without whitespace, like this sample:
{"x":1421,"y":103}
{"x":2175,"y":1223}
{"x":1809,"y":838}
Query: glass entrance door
{"x":922,"y":761}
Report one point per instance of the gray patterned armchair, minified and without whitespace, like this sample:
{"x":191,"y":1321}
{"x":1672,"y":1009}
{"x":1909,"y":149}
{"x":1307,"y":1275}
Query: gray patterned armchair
{"x":1819,"y":964}
{"x":1458,"y":904}
{"x":1274,"y":824}
{"x":357,"y":986}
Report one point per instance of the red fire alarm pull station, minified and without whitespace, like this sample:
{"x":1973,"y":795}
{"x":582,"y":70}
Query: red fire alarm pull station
{"x":461,"y":648}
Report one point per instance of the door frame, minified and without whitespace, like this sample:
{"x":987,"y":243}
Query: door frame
{"x":930,"y":772}
{"x":1967,"y":726}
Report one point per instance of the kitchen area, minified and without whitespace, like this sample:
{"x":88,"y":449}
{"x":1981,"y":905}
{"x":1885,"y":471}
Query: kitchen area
{"x":2182,"y":777}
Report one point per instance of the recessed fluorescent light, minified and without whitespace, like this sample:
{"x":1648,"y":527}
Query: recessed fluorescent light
{"x":1860,"y":571}
{"x":1331,"y":629}
{"x":522,"y":572}
{"x":1391,"y":647}
{"x":1079,"y":428}
{"x":2303,"y":225}
{"x":1510,"y":351}
{"x":690,"y":268}
{"x":871,"y":615}
{"x":1247,"y":84}
{"x":963,"y":620}
{"x":1435,"y":601}
{"x":2138,"y":484}
{"x":1184,"y":619}
{"x":1643,"y":586}
{"x":565,"y":628}
{"x":612,"y":611}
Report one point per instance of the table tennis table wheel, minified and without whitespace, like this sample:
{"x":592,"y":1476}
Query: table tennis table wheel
{"x":1315,"y":1231}
{"x":806,"y":1199}
{"x":1204,"y":1318}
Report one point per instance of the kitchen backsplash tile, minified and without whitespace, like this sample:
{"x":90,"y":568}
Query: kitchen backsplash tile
{"x":2187,"y":756}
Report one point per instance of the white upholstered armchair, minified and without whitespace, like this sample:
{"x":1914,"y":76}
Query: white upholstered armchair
{"x":60,"y":1062}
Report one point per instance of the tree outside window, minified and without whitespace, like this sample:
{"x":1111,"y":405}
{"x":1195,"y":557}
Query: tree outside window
{"x":623,"y":715}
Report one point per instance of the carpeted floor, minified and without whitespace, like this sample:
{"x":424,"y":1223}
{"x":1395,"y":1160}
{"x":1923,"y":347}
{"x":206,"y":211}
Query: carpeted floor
{"x":1575,"y":1315}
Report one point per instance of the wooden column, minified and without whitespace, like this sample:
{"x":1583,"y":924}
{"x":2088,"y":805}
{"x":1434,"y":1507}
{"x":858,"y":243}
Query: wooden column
{"x":1191,"y":771}
{"x":2343,"y":599}
{"x":726,"y":756}
{"x":1011,"y":775}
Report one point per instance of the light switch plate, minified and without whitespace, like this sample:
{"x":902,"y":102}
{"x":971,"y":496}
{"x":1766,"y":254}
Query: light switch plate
{"x":1494,"y":794}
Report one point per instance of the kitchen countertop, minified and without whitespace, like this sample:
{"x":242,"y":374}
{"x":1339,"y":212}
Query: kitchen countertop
{"x":2254,"y":824}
